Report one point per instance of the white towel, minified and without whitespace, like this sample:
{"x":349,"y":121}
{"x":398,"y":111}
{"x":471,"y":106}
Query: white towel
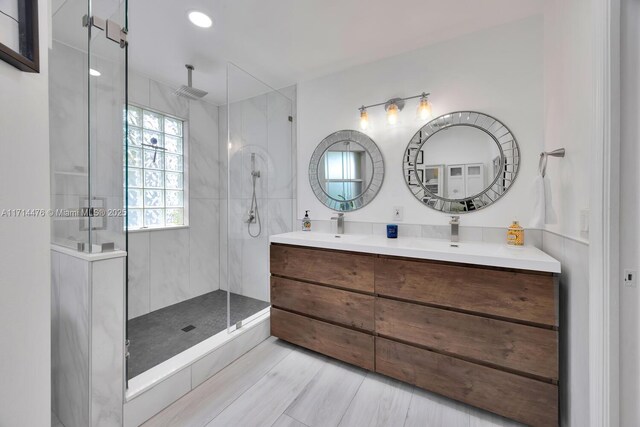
{"x":550,"y":212}
{"x":539,"y":207}
{"x":543,"y":212}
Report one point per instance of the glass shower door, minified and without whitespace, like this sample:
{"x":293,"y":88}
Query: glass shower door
{"x":260,"y":192}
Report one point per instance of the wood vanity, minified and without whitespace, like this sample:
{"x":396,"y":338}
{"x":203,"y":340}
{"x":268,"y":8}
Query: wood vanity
{"x":486,"y":336}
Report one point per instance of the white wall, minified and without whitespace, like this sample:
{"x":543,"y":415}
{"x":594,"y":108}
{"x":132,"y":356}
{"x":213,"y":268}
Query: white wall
{"x":630,"y":206}
{"x":568,"y":105}
{"x":25,"y":358}
{"x":497,"y":71}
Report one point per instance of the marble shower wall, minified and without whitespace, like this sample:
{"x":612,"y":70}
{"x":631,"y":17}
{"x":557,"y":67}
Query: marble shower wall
{"x":170,"y":266}
{"x":257,"y":125}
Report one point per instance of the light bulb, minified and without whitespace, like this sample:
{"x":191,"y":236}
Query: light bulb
{"x":424,"y":109}
{"x":364,"y":119}
{"x":392,"y":114}
{"x":200,"y":19}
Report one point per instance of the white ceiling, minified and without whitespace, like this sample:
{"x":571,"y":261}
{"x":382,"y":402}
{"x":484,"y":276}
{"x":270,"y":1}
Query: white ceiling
{"x":287,"y":41}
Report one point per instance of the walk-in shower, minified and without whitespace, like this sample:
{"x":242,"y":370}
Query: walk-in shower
{"x":208,"y":276}
{"x":185,"y":165}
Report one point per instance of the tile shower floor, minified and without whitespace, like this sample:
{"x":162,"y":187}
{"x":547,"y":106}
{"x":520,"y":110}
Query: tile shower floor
{"x":159,"y":335}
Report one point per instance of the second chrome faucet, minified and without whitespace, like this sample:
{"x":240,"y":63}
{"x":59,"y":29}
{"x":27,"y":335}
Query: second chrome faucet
{"x":455,"y":229}
{"x":339,"y":223}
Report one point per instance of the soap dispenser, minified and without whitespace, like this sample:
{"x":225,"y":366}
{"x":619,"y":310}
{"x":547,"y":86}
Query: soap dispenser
{"x":306,"y":222}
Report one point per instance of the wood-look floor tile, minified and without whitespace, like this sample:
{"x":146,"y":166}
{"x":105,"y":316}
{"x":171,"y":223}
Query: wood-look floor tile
{"x":480,"y":418}
{"x":380,"y":402}
{"x":430,"y":410}
{"x":263,"y":403}
{"x":209,"y":399}
{"x":286,"y":421}
{"x":326,"y":398}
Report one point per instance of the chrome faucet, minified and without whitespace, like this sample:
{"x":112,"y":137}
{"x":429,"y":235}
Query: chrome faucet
{"x":339,"y":223}
{"x":455,"y":228}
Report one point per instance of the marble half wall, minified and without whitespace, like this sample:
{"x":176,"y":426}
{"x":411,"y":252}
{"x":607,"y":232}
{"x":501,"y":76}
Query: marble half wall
{"x":88,"y":336}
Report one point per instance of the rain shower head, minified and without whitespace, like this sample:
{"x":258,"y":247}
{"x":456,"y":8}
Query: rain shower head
{"x":189,"y":91}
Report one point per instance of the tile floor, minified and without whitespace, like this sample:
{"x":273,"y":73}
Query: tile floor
{"x":280,"y":385}
{"x":158,"y":336}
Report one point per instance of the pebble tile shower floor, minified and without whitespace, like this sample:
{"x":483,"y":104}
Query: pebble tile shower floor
{"x":161,"y":334}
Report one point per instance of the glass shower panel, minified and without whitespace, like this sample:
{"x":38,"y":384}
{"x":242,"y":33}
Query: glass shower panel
{"x":68,"y":124}
{"x":260,"y":199}
{"x":107,"y":92}
{"x":87,"y":98}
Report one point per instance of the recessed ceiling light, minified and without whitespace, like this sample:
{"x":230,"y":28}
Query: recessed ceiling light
{"x":94,"y":73}
{"x":200,"y":19}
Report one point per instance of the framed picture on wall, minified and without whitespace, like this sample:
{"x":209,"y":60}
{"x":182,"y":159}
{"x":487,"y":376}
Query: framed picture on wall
{"x":19,"y":34}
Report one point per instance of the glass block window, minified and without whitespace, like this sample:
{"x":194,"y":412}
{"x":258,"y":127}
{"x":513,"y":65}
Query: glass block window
{"x":155,"y":171}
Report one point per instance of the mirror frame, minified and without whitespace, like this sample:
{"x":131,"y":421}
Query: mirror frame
{"x":376,"y":180}
{"x":509,"y":160}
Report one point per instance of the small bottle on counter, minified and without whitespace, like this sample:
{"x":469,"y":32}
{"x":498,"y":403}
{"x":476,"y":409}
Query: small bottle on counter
{"x":515,"y":234}
{"x":306,"y":222}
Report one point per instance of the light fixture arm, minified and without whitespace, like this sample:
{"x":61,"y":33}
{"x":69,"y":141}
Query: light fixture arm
{"x":397,"y":100}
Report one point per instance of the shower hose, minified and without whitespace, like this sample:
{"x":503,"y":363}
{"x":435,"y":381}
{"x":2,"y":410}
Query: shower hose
{"x":254,"y":208}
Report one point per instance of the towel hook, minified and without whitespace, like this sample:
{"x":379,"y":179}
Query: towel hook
{"x":542,"y":164}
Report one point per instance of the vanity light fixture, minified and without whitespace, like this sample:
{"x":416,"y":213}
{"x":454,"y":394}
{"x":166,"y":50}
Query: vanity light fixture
{"x":364,"y":118}
{"x":393,"y":108}
{"x":200,"y":19}
{"x":424,"y":109}
{"x":392,"y":113}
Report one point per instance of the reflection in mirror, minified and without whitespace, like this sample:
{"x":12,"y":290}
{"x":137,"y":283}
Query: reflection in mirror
{"x":461,"y":162}
{"x":346,"y":170}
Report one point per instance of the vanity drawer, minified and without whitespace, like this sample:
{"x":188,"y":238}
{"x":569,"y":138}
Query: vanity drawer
{"x":517,"y":295}
{"x":341,"y":343}
{"x":521,"y":348}
{"x":341,"y":269}
{"x":522,"y":399}
{"x":335,"y":305}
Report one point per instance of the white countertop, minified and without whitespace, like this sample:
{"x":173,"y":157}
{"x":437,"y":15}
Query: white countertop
{"x":479,"y":253}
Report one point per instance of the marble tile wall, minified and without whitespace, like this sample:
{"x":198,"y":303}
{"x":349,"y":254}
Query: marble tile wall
{"x":87,"y":337}
{"x":169,"y":266}
{"x":257,"y":125}
{"x":107,"y":341}
{"x":70,"y":337}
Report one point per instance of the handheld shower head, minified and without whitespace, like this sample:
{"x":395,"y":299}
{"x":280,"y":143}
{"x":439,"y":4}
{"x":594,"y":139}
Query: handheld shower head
{"x":189,"y":91}
{"x":254,"y":172}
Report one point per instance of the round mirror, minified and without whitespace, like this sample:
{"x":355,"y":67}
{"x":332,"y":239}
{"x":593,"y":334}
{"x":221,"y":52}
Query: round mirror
{"x":346,"y":170}
{"x":461,"y":162}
